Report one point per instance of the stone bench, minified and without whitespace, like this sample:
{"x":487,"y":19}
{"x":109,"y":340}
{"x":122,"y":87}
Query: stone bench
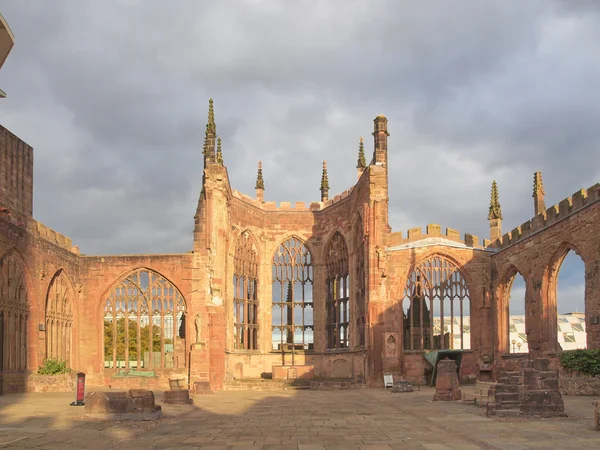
{"x":137,"y":404}
{"x":480,"y":393}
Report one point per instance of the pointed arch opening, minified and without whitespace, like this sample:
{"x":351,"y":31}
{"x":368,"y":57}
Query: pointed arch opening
{"x":59,"y":319}
{"x":338,"y":292}
{"x":567,"y":288}
{"x":245,"y":294}
{"x":436,"y":307}
{"x":144,"y":323}
{"x":292,"y":300}
{"x":515,"y":313}
{"x":14,"y":313}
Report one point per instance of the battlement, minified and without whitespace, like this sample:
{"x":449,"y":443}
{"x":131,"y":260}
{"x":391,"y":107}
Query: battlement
{"x":288,"y":206}
{"x":48,"y":234}
{"x":565,"y":208}
{"x":434,"y":231}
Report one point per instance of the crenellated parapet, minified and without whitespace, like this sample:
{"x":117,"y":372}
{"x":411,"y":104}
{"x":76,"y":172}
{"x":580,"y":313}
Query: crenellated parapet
{"x":39,"y":229}
{"x":289,"y":206}
{"x":433,"y":235}
{"x":556,"y":213}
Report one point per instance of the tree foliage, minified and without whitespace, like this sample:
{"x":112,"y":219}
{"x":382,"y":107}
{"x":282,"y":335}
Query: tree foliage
{"x":583,"y":361}
{"x":144,"y":339}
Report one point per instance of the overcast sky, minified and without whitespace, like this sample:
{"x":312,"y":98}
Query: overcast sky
{"x":113,"y":95}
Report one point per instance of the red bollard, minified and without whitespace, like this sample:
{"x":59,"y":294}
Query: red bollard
{"x":80,"y":395}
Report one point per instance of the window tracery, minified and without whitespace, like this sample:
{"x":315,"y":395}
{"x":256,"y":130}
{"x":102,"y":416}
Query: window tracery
{"x":292,"y":305}
{"x":245,"y":294}
{"x":436,"y":301}
{"x":14,"y":312}
{"x":59,"y":320}
{"x":338,"y":292}
{"x":144,"y":323}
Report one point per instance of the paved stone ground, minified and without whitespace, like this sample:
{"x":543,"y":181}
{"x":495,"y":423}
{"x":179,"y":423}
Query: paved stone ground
{"x":300,"y":420}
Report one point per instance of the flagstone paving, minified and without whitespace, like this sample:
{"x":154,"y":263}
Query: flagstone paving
{"x":370,"y":419}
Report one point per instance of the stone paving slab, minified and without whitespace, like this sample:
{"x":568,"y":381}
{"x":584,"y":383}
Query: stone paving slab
{"x":300,"y":420}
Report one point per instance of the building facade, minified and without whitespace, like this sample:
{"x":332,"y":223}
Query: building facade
{"x":324,"y":290}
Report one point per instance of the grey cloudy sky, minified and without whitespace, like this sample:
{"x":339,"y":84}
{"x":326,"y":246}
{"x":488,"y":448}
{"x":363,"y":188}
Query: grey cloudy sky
{"x":113,"y":94}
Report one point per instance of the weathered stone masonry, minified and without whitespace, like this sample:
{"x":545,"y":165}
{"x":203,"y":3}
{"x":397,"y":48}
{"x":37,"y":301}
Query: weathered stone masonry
{"x":56,"y":301}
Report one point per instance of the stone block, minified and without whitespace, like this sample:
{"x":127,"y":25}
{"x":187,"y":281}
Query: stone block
{"x":137,"y":404}
{"x":542,"y":364}
{"x":178,"y":397}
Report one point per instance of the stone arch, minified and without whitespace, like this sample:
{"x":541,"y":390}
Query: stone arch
{"x":305,"y":241}
{"x":549,"y":293}
{"x":245,"y":301}
{"x":59,"y":318}
{"x":503,"y":296}
{"x":144,"y":322}
{"x":292,"y":296}
{"x":15,"y":310}
{"x":238,"y":371}
{"x":436,"y":284}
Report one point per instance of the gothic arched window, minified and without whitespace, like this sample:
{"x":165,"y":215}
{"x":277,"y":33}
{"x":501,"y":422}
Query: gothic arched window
{"x":436,"y":307}
{"x":144,"y":323}
{"x":59,"y":320}
{"x":292,"y":314}
{"x":338,"y":292}
{"x":245,"y":297}
{"x":14,"y":312}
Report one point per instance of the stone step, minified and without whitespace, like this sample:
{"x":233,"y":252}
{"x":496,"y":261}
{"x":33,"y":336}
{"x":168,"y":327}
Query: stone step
{"x":506,"y":397}
{"x":515,"y":412}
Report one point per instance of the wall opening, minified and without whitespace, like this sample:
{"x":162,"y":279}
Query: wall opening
{"x":292,"y":305}
{"x":144,"y":324}
{"x":436,"y":307}
{"x":570,"y":303}
{"x":517,"y":338}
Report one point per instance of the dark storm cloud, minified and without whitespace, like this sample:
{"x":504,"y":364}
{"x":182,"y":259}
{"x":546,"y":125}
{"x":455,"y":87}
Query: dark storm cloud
{"x":113,"y":95}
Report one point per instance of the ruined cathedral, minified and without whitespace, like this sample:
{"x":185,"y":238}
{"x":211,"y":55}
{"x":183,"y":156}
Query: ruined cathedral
{"x":319,"y":291}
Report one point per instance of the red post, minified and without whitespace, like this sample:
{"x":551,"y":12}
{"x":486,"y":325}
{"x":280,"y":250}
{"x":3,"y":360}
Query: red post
{"x":80,"y":391}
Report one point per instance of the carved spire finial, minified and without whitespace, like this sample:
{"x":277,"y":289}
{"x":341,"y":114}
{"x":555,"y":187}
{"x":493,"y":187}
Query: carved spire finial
{"x":495,"y":211}
{"x":324,"y":184}
{"x":211,"y":125}
{"x":260,"y":183}
{"x":324,"y":179}
{"x":538,"y":186}
{"x":362,"y":163}
{"x":219,"y":152}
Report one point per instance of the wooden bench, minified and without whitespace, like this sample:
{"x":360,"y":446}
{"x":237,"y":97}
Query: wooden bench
{"x":479,"y":393}
{"x":596,"y":404}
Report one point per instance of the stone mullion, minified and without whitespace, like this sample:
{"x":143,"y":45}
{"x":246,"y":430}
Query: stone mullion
{"x":138,"y":344}
{"x":24,"y":343}
{"x":127,"y":332}
{"x":162,"y":333}
{"x":114,"y":324}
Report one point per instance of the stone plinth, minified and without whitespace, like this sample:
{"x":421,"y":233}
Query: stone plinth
{"x":446,"y":385}
{"x":137,"y":404}
{"x":402,"y":386}
{"x":178,"y":397}
{"x":540,"y":395}
{"x":531,"y":391}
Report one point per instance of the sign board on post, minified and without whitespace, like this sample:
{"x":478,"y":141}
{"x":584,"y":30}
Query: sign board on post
{"x":388,"y":380}
{"x":80,"y":390}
